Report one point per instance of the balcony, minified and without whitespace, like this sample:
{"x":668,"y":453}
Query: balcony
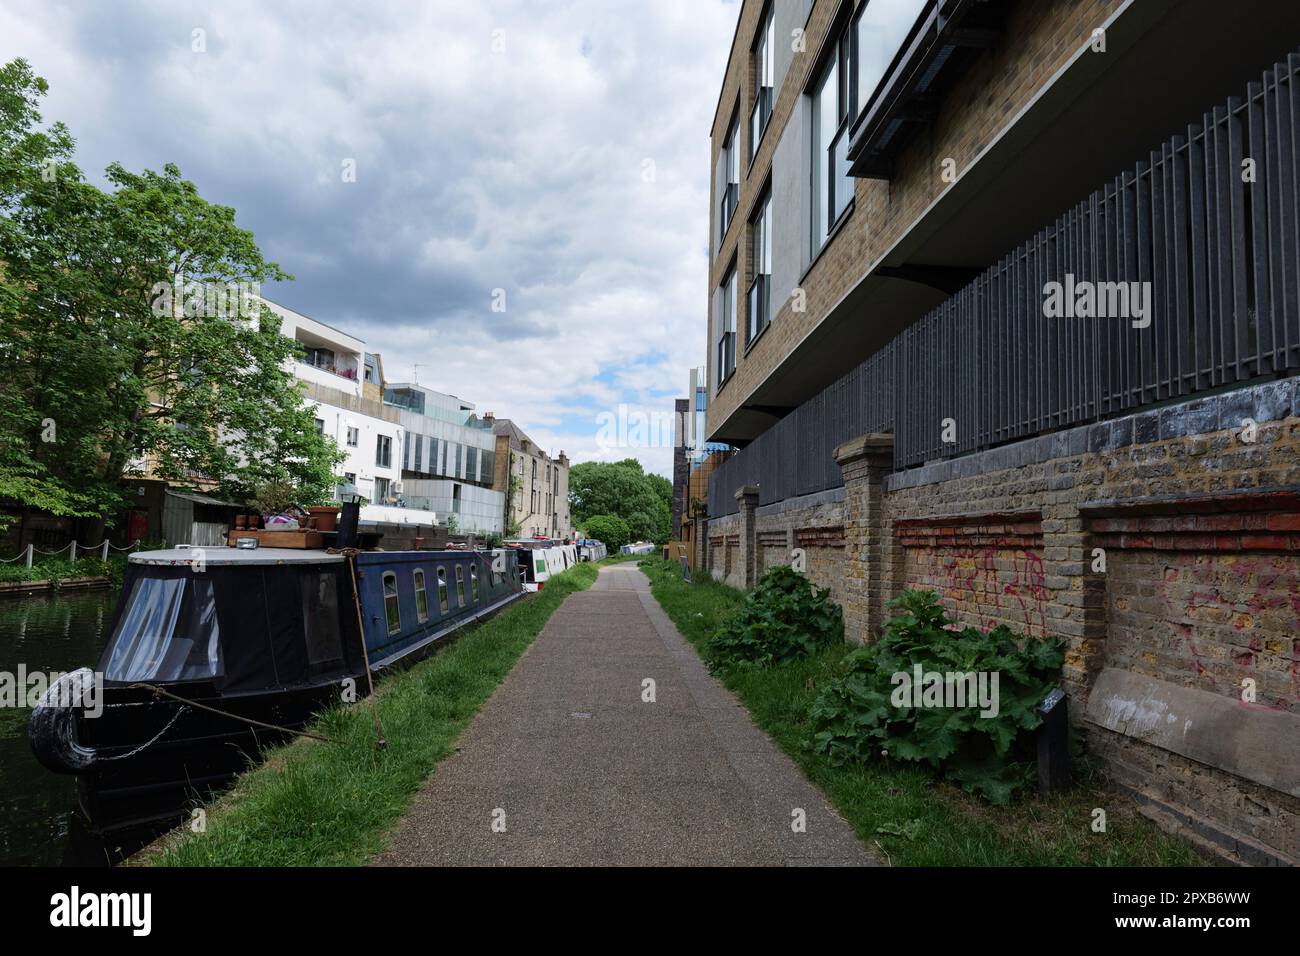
{"x":1100,"y":113}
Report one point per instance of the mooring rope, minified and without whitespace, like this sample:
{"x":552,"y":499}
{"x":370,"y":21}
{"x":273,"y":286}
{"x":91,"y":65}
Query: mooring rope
{"x":225,"y":713}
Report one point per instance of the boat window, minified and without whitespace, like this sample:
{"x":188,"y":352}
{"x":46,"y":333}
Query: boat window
{"x":167,"y":632}
{"x":442,"y":590}
{"x":421,"y":599}
{"x":320,"y":616}
{"x":391,"y":610}
{"x":460,"y":585}
{"x":473,"y":582}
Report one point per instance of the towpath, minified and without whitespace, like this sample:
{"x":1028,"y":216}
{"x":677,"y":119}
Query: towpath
{"x":567,"y":764}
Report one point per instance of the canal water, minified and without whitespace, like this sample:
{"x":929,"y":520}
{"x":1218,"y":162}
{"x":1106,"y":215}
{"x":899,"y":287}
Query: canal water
{"x":39,"y":821}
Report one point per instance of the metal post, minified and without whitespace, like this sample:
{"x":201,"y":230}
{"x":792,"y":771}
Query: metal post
{"x":30,"y":549}
{"x":72,"y":550}
{"x":103,"y":550}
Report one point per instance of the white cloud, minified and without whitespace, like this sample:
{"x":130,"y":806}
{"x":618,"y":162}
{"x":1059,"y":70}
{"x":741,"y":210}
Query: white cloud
{"x":521,"y":169}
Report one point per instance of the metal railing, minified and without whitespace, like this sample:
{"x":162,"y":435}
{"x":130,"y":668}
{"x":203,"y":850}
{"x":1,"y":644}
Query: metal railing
{"x":1208,"y":225}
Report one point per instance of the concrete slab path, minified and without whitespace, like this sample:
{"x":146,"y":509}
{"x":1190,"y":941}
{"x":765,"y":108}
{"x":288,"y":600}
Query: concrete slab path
{"x":582,"y":771}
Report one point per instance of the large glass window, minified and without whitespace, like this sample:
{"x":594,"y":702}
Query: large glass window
{"x":759,"y":305}
{"x":731,"y":187}
{"x":878,"y":34}
{"x":383,"y":451}
{"x":727,"y":328}
{"x":832,"y":111}
{"x":764,"y":79}
{"x":391,"y":609}
{"x":168,"y":632}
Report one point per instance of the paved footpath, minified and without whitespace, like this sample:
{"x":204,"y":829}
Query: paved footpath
{"x":587,"y":773}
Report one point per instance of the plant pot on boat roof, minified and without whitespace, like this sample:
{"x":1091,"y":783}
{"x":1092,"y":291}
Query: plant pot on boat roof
{"x":327,"y":516}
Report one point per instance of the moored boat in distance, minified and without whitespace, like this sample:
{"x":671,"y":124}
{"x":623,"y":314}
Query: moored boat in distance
{"x":540,"y":559}
{"x":215,"y":652}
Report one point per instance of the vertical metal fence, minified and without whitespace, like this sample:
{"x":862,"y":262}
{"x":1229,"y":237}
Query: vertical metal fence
{"x":1208,"y":224}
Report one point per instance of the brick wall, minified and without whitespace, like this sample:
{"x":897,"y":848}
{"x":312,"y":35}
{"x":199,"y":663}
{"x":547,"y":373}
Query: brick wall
{"x":1163,"y":547}
{"x":989,"y":569}
{"x":813,"y":524}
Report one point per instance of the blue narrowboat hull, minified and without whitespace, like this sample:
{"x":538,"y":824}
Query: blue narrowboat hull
{"x":285,"y":643}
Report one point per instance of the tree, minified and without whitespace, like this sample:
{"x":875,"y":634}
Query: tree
{"x":622,"y":489}
{"x":131,"y":330}
{"x":610,"y":529}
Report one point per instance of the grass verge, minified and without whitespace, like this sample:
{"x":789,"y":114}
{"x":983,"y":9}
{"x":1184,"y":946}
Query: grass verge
{"x":331,"y":804}
{"x":903,"y":812}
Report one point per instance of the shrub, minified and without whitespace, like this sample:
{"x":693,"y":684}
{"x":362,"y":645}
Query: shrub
{"x":783,"y":618}
{"x":611,"y":529}
{"x":869,"y":711}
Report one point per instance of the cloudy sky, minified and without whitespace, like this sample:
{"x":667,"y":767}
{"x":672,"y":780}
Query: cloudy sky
{"x":554,"y":149}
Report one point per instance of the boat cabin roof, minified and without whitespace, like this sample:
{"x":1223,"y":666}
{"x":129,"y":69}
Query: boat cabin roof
{"x":219,"y":556}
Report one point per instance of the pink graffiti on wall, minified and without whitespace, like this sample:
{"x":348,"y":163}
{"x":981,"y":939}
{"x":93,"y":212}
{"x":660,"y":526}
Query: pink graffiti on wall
{"x":977,"y":587}
{"x":1273,"y":588}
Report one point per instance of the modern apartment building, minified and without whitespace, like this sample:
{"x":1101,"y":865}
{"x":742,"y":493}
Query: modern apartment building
{"x":448,"y":458}
{"x":344,"y":384}
{"x":996,"y":286}
{"x":535,"y":485}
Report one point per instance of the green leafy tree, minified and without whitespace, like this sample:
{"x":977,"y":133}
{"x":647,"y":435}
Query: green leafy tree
{"x":130,"y":331}
{"x":610,"y":529}
{"x":623,"y":489}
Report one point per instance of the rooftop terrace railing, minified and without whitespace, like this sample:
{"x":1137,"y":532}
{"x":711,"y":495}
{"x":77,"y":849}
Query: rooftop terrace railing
{"x":1189,"y":261}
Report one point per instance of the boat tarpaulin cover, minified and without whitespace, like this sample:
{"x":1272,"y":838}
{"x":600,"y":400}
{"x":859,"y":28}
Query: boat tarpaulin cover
{"x":260,"y":610}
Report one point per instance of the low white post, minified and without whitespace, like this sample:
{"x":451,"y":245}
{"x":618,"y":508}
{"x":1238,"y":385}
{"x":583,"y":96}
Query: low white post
{"x":72,"y":551}
{"x":30,"y":549}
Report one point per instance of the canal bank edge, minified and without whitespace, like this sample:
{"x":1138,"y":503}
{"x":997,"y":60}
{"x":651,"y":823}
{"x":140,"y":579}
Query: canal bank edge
{"x":268,"y":818}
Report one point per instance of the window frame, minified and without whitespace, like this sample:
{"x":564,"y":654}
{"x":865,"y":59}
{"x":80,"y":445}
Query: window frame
{"x":725,"y":345}
{"x":460,"y":585}
{"x":385,"y":579}
{"x":383,"y":451}
{"x":729,"y":201}
{"x":764,"y":93}
{"x":421,"y":596}
{"x":760,"y":222}
{"x":473,"y":582}
{"x":839,"y":53}
{"x":444,"y":602}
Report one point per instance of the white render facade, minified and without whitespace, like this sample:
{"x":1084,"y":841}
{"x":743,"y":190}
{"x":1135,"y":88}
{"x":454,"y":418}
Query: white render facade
{"x":333,"y":365}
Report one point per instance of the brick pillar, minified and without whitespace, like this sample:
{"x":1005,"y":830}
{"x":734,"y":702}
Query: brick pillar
{"x":1077,"y":612}
{"x":748,"y":498}
{"x":701,"y":543}
{"x":865,"y":462}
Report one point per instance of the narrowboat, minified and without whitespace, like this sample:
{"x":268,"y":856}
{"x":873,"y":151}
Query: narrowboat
{"x":540,"y":559}
{"x":215,"y":652}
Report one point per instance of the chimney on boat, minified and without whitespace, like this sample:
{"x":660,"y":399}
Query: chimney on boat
{"x":349,"y":520}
